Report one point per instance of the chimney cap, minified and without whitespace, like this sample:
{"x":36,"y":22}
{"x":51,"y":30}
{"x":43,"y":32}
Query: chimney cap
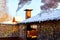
{"x":28,"y":9}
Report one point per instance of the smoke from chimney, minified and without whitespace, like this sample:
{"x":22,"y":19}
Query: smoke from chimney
{"x":22,"y":3}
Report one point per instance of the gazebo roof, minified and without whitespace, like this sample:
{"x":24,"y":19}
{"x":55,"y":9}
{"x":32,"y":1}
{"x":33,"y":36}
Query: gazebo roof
{"x":44,"y":16}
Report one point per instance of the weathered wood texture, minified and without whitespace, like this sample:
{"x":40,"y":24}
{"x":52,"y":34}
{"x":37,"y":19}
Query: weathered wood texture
{"x":49,"y":30}
{"x":22,"y":31}
{"x":8,"y":30}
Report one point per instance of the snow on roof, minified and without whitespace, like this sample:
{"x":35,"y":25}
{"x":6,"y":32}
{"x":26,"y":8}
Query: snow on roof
{"x":44,"y":16}
{"x":8,"y":22}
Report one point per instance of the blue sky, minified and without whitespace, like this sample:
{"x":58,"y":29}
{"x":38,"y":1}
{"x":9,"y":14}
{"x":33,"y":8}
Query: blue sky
{"x":13,"y":4}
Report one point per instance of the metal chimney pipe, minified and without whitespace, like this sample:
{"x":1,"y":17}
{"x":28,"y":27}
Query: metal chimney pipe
{"x":13,"y":19}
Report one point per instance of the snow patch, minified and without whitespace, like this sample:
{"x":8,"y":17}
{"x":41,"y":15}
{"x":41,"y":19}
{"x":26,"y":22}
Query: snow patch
{"x":44,"y":16}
